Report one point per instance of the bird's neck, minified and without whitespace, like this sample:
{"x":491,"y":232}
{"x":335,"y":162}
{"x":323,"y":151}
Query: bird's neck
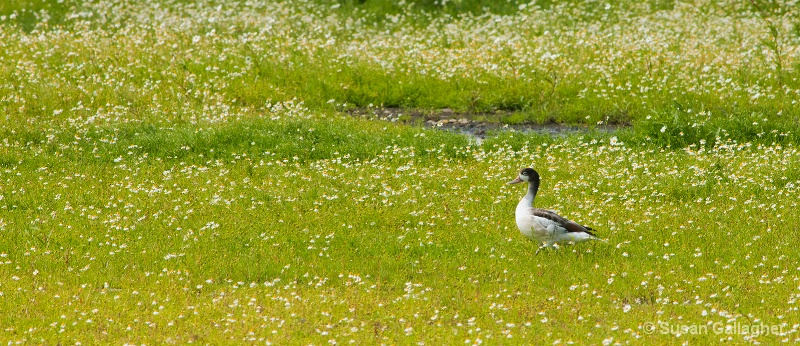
{"x":527,"y":201}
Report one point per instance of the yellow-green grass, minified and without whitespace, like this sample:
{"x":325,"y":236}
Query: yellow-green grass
{"x":175,"y":172}
{"x":712,"y":65}
{"x":410,"y":240}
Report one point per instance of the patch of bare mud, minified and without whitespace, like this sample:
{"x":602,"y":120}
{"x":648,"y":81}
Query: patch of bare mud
{"x":468,"y":123}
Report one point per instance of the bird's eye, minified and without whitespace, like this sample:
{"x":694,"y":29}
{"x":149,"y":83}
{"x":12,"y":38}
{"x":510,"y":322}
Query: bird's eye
{"x":524,"y":173}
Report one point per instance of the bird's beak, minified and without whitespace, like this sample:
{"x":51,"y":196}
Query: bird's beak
{"x":515,"y":181}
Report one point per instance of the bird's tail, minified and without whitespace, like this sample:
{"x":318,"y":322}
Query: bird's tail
{"x":592,"y":233}
{"x":590,"y":230}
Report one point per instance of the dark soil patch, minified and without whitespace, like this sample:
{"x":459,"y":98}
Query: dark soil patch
{"x":469,"y":123}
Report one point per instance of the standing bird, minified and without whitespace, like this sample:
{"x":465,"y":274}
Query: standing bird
{"x":545,"y":226}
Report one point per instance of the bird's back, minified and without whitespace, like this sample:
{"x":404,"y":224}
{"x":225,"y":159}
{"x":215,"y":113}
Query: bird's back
{"x":546,"y":226}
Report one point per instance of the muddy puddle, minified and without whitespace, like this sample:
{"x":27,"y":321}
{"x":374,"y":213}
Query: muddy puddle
{"x":468,"y":123}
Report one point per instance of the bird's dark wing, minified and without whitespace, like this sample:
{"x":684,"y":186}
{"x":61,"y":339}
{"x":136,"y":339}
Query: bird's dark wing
{"x":570,"y":226}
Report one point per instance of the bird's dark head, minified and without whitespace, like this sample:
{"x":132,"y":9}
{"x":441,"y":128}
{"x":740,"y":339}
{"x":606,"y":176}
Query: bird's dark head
{"x":526,"y":175}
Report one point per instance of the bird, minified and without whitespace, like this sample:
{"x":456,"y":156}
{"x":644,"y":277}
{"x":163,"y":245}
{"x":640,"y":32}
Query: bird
{"x":543,"y":226}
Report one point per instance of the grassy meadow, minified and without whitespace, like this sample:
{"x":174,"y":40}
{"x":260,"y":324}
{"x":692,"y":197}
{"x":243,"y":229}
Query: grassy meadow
{"x":177,"y":172}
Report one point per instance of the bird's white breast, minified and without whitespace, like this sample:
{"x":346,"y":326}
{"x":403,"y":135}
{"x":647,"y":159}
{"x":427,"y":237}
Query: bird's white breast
{"x":537,"y":228}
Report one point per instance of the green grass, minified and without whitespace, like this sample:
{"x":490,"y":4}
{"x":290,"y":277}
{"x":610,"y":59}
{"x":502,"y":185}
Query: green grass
{"x":177,"y":172}
{"x":576,"y":63}
{"x":413,"y":229}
